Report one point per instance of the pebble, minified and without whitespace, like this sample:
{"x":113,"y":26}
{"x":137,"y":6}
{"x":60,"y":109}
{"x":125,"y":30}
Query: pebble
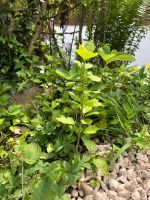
{"x":87,"y":188}
{"x":122,"y":179}
{"x":79,"y":198}
{"x":81,"y":193}
{"x":135,"y":196}
{"x":89,"y":197}
{"x":112,"y":194}
{"x":113,"y":184}
{"x":100,"y":196}
{"x":130,"y":186}
{"x":142,"y":157}
{"x":131,"y":174}
{"x":124,"y":193}
{"x":74,"y":193}
{"x":120,"y":187}
{"x":123,"y":172}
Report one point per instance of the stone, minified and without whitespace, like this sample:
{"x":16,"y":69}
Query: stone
{"x":130,"y":186}
{"x":113,"y":184}
{"x":104,"y":187}
{"x":112,"y":194}
{"x":122,"y":179}
{"x":100,"y":196}
{"x":123,"y":172}
{"x":125,"y":154}
{"x":82,"y":177}
{"x":87,"y":188}
{"x":74,"y":193}
{"x":138,"y":173}
{"x":135,"y":196}
{"x":120,"y":188}
{"x":146,"y":185}
{"x":116,"y":168}
{"x":145,"y":174}
{"x":142,"y":157}
{"x":81,"y":193}
{"x":113,"y":175}
{"x":125,"y":163}
{"x":89,"y":197}
{"x":105,"y":180}
{"x":125,"y":194}
{"x":139,"y":180}
{"x":143,"y":194}
{"x":79,"y":198}
{"x":104,"y":147}
{"x":131,"y":174}
{"x":144,"y":166}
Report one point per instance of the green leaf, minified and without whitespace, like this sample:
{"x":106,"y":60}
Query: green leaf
{"x":63,"y":73}
{"x":90,"y":145}
{"x":89,"y":46}
{"x":50,"y":148}
{"x":92,"y":113}
{"x":3,"y":111}
{"x":86,"y":109}
{"x":56,"y":170}
{"x":46,"y":190}
{"x":93,"y":103}
{"x":118,"y":57}
{"x":88,"y":66}
{"x":85,"y":54}
{"x":3,"y":99}
{"x":14,"y":109}
{"x":31,"y":153}
{"x":1,"y":121}
{"x":66,"y":120}
{"x":101,"y":165}
{"x":108,"y":57}
{"x":91,"y":130}
{"x":93,"y":77}
{"x":70,"y":84}
{"x":86,"y":121}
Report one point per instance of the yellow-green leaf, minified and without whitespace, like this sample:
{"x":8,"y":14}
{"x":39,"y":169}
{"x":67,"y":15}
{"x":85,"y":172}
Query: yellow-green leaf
{"x":86,"y":121}
{"x":93,"y":103}
{"x":90,"y":145}
{"x":85,"y":54}
{"x":91,"y":130}
{"x":66,"y":120}
{"x":1,"y":121}
{"x":101,"y":165}
{"x":93,"y":77}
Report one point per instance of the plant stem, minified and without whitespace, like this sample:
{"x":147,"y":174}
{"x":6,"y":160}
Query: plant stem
{"x":82,"y":104}
{"x":22,"y":180}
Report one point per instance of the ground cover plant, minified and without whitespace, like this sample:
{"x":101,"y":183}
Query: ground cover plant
{"x":45,"y":148}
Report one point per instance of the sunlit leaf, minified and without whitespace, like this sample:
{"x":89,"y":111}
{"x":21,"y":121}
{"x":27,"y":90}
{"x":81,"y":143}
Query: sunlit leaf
{"x":66,"y":120}
{"x":91,"y":130}
{"x":14,"y":109}
{"x":85,"y":54}
{"x":101,"y":165}
{"x":93,"y":77}
{"x":1,"y":121}
{"x":63,"y":73}
{"x":31,"y":153}
{"x":93,"y":103}
{"x":90,"y":145}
